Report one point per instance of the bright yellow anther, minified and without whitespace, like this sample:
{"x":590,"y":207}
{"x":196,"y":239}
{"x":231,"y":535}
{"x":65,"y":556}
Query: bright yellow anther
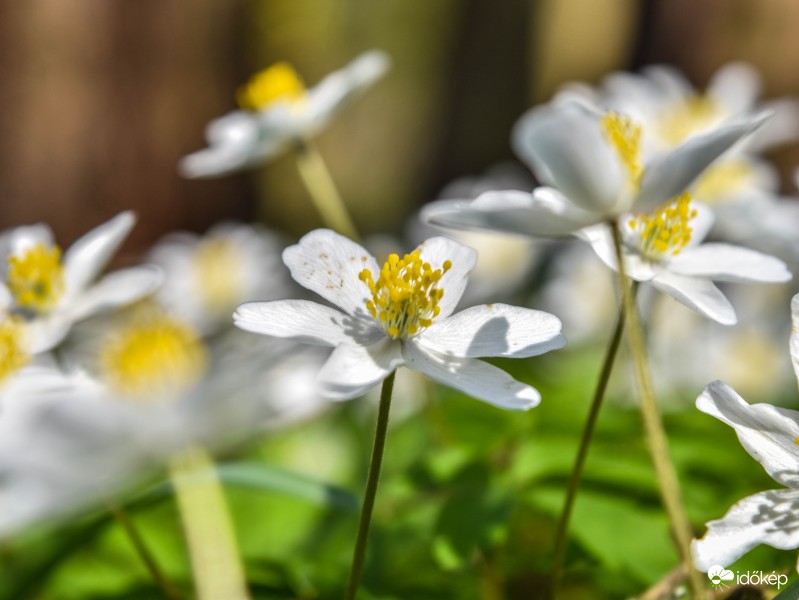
{"x":625,"y":137}
{"x":13,"y":346}
{"x":405,"y":297}
{"x":667,"y":230}
{"x":155,"y":358}
{"x":36,"y":278}
{"x":279,"y":82}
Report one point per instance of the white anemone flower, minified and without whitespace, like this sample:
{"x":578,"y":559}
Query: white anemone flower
{"x":593,"y":168}
{"x":401,"y":314}
{"x":51,"y":293}
{"x":278,"y":112}
{"x":665,"y":249}
{"x":207,"y":277}
{"x":771,"y":435}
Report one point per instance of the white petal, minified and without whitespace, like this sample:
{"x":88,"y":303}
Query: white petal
{"x":304,"y":321}
{"x":90,"y":254}
{"x":494,"y":330}
{"x":20,"y":239}
{"x":782,"y":128}
{"x":45,"y":333}
{"x":601,"y":240}
{"x":544,"y":212}
{"x":770,"y":517}
{"x":352,"y":370}
{"x":328,"y":263}
{"x":672,"y":173}
{"x":473,"y":377}
{"x":795,"y":335}
{"x":735,"y":87}
{"x":700,"y":295}
{"x":767,"y":432}
{"x":724,"y":262}
{"x":435,"y":251}
{"x":564,"y":145}
{"x":115,"y":289}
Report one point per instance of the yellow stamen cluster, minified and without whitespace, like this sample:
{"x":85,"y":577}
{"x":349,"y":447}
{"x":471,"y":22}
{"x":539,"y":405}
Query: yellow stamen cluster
{"x":696,"y":113}
{"x":722,"y":179}
{"x":667,"y":230}
{"x":155,"y":358}
{"x":36,"y":278}
{"x":13,"y":347}
{"x":216,"y":269}
{"x":278,"y":82}
{"x":625,"y":137}
{"x":405,"y":297}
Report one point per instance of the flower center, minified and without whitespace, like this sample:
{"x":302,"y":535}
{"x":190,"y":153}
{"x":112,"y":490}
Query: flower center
{"x":625,"y":137}
{"x":695,"y":113}
{"x":723,"y":179}
{"x":13,"y":350}
{"x":154,"y":358}
{"x":36,"y":278}
{"x":405,"y":297}
{"x":279,"y":82}
{"x":216,"y":268}
{"x":667,"y":230}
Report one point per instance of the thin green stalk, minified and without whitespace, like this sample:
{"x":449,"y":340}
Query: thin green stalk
{"x":561,"y":536}
{"x":323,"y":192}
{"x":653,"y":425}
{"x":209,"y":534}
{"x":371,"y":486}
{"x":122,"y":518}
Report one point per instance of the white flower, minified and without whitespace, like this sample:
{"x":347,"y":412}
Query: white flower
{"x":771,"y":435}
{"x":279,"y":112}
{"x":593,"y":169}
{"x":664,"y":248}
{"x":51,"y":293}
{"x":206,"y":278}
{"x":402,"y":315}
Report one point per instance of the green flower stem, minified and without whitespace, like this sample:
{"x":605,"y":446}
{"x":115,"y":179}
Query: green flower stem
{"x":561,"y":536}
{"x":653,"y":425}
{"x":371,"y":486}
{"x":124,"y":521}
{"x":323,"y":192}
{"x":209,"y":534}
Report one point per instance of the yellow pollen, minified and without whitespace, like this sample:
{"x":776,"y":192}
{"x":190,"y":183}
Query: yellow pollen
{"x":665,"y":231}
{"x":279,"y":82}
{"x":625,"y":137}
{"x":796,"y":440}
{"x":154,"y":358}
{"x":217,"y":270}
{"x":722,"y":180}
{"x":13,"y":347}
{"x":405,"y":296}
{"x":36,"y":278}
{"x":694,"y":114}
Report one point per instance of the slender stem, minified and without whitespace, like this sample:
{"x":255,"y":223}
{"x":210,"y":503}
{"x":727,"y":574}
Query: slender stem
{"x":323,"y":192}
{"x":209,"y":534}
{"x":122,"y":518}
{"x":585,"y":440}
{"x":653,"y":425}
{"x":371,"y":486}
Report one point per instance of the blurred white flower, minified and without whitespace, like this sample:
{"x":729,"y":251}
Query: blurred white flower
{"x":207,"y":277}
{"x":52,"y":294}
{"x":664,"y":248}
{"x":278,"y":112}
{"x":402,"y":315}
{"x":593,"y":168}
{"x":771,"y":435}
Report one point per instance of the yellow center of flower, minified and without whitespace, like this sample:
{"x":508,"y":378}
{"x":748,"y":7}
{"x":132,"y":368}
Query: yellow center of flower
{"x":36,"y":277}
{"x":13,"y":349}
{"x":155,"y":358}
{"x":216,"y":266}
{"x":405,"y":296}
{"x":666,"y":230}
{"x":279,"y":82}
{"x":625,"y":137}
{"x":722,"y":180}
{"x":695,"y":113}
